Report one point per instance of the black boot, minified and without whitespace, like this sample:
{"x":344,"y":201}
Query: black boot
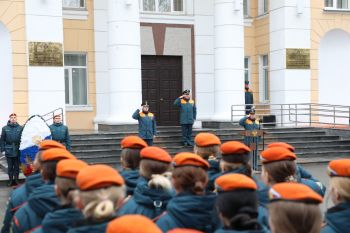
{"x":16,"y":181}
{"x":9,"y":183}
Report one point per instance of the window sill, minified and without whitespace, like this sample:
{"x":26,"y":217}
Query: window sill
{"x":335,"y":10}
{"x":261,"y":16}
{"x":75,"y":14}
{"x":166,"y":18}
{"x":79,"y":108}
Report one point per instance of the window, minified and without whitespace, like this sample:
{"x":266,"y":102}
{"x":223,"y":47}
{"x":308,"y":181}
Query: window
{"x":264,"y":78}
{"x":263,"y":7}
{"x":337,"y":4}
{"x":246,"y":8}
{"x":246,"y":69}
{"x":162,"y":6}
{"x":75,"y":76}
{"x":75,"y":4}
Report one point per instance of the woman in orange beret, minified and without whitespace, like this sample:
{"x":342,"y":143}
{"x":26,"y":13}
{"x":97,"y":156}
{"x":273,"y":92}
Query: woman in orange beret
{"x":294,"y":208}
{"x":101,"y":193}
{"x":237,"y":204}
{"x":153,"y":190}
{"x":191,"y":207}
{"x":338,"y":217}
{"x":130,"y":161}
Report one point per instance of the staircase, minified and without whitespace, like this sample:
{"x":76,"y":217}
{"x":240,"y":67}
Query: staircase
{"x":313,"y":145}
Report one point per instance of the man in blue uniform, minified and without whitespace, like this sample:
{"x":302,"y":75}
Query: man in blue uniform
{"x":147,"y":123}
{"x":60,"y":132}
{"x":249,"y":100}
{"x":9,"y":144}
{"x":251,"y":138}
{"x":188,"y":114}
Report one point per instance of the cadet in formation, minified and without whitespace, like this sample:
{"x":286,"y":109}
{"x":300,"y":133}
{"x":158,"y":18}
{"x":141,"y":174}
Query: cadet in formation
{"x":188,"y":114}
{"x":249,"y":99}
{"x":147,"y":123}
{"x":60,"y":132}
{"x":9,"y":145}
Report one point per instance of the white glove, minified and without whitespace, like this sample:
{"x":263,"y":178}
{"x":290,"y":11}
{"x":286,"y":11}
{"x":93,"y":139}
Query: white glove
{"x":3,"y":152}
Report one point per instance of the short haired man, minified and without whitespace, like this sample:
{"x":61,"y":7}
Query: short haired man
{"x":147,"y":123}
{"x":59,"y":132}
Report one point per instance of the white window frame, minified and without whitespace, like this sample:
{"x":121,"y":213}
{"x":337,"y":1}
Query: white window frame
{"x":261,"y":7}
{"x":335,"y":7}
{"x":248,"y":69}
{"x":264,"y":82}
{"x":160,"y":12}
{"x":70,"y":77}
{"x":246,"y":3}
{"x":75,"y":8}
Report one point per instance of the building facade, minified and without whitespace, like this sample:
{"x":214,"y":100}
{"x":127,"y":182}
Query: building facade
{"x":117,"y":53}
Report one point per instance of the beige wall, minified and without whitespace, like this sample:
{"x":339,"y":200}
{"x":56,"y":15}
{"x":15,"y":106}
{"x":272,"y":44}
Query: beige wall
{"x":12,"y":16}
{"x":257,"y":42}
{"x":323,"y":22}
{"x":79,"y":37}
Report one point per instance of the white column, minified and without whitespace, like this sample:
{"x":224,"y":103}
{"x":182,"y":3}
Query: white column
{"x":46,"y":90}
{"x":229,"y":57}
{"x":124,"y":59}
{"x":290,"y":27}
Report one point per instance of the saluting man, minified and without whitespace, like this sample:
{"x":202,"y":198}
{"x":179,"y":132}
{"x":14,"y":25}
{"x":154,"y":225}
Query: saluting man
{"x":60,"y":132}
{"x":147,"y":123}
{"x":9,"y":143}
{"x":188,"y":114}
{"x":251,"y":124}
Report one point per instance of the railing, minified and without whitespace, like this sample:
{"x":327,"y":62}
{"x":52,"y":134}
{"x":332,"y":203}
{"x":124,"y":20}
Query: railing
{"x":303,"y":114}
{"x":49,"y":116}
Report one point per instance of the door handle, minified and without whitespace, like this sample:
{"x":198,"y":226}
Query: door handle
{"x":161,"y":99}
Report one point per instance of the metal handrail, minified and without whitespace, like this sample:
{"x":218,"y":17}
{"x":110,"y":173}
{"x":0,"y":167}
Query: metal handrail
{"x":299,"y":114}
{"x":50,"y":115}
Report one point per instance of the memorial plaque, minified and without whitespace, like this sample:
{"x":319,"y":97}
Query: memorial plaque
{"x":298,"y":58}
{"x":45,"y":54}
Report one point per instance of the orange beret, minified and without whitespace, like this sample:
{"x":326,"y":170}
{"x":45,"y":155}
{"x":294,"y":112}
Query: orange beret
{"x":293,"y":192}
{"x":234,"y":147}
{"x":132,"y":224}
{"x":339,"y":167}
{"x":183,"y":230}
{"x":231,"y":182}
{"x":69,"y":168}
{"x":282,"y":144}
{"x":56,"y":154}
{"x":206,"y":139}
{"x":48,"y":144}
{"x":276,"y":154}
{"x":133,"y":142}
{"x":97,"y":177}
{"x":155,"y":153}
{"x":190,"y":159}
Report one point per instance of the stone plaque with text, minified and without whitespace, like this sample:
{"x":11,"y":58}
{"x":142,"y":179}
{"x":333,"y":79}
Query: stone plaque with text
{"x":298,"y":58}
{"x":45,"y":54}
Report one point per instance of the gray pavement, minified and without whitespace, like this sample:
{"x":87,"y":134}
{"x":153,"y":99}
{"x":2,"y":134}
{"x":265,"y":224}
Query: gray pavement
{"x":317,"y":170}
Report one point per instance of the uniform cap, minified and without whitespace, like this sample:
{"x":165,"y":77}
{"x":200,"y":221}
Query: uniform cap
{"x":183,"y":230}
{"x":252,"y":112}
{"x":339,"y":167}
{"x":69,"y":168}
{"x":237,"y":181}
{"x":144,"y":103}
{"x":293,"y":192}
{"x":190,"y":159}
{"x":282,"y":144}
{"x":133,"y":142}
{"x":97,"y":177}
{"x":56,"y":154}
{"x":206,"y":139}
{"x":155,"y":153}
{"x":132,"y":224}
{"x":276,"y":154}
{"x":13,"y":114}
{"x":186,"y":92}
{"x":49,"y":144}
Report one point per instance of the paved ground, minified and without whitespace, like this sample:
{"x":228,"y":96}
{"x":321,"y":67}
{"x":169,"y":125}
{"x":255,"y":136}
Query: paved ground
{"x":318,"y":170}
